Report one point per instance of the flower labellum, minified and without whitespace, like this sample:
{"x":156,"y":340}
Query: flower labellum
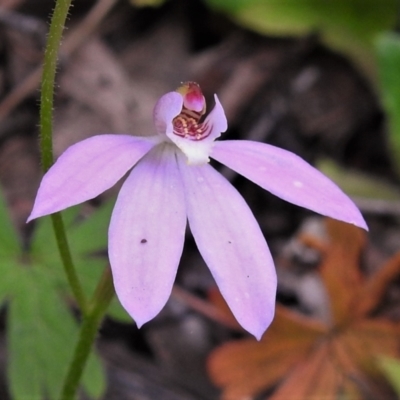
{"x":172,"y":182}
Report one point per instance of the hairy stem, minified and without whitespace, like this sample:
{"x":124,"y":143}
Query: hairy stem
{"x":46,"y":138}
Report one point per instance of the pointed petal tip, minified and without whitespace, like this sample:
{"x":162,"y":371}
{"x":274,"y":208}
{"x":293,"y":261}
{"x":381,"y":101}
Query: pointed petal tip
{"x":142,"y":317}
{"x":34,"y":215}
{"x":258,"y":334}
{"x":41,"y":210}
{"x":258,"y":330}
{"x":351,"y":215}
{"x":139,"y":324}
{"x":361,"y":224}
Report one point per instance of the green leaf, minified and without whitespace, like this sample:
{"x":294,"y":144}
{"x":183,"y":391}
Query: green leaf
{"x":7,"y":265}
{"x":147,"y":3}
{"x":356,"y":183}
{"x":90,"y":270}
{"x":9,"y":239}
{"x":388,"y":52}
{"x":347,"y":25}
{"x":93,"y":380}
{"x":391,"y":367}
{"x":43,"y":246}
{"x":41,"y":336}
{"x":85,"y":236}
{"x":41,"y":330}
{"x":116,"y":311}
{"x":90,"y":235}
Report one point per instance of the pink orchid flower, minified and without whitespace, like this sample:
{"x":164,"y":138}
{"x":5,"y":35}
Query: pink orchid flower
{"x":172,"y":181}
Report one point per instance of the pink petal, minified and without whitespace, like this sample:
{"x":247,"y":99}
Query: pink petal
{"x":288,"y":176}
{"x":198,"y":151}
{"x":146,"y":234}
{"x":167,"y":108}
{"x":216,"y":120}
{"x":87,"y":169}
{"x":232,"y":245}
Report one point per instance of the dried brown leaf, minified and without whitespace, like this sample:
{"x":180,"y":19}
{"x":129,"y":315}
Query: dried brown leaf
{"x":291,"y":324}
{"x":377,"y":337}
{"x":246,"y":367}
{"x":245,"y":372}
{"x":357,"y":351}
{"x":343,"y":357}
{"x":313,"y":379}
{"x":374,"y":289}
{"x":340,"y":269}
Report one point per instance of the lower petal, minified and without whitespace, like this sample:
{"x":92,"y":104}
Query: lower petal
{"x":146,"y":234}
{"x":289,"y":177}
{"x":232,"y":245}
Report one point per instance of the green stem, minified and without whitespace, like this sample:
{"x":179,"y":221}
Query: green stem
{"x":97,"y":308}
{"x":48,"y":79}
{"x":46,"y":138}
{"x":63,"y":248}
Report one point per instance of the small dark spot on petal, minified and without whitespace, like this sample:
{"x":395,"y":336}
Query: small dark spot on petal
{"x":143,"y":241}
{"x":229,"y":242}
{"x":104,"y":81}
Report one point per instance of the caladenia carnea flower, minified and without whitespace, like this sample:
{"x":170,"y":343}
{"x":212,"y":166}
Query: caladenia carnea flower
{"x":171,"y":182}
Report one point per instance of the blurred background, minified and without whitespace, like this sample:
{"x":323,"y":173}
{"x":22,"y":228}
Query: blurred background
{"x":319,"y":78}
